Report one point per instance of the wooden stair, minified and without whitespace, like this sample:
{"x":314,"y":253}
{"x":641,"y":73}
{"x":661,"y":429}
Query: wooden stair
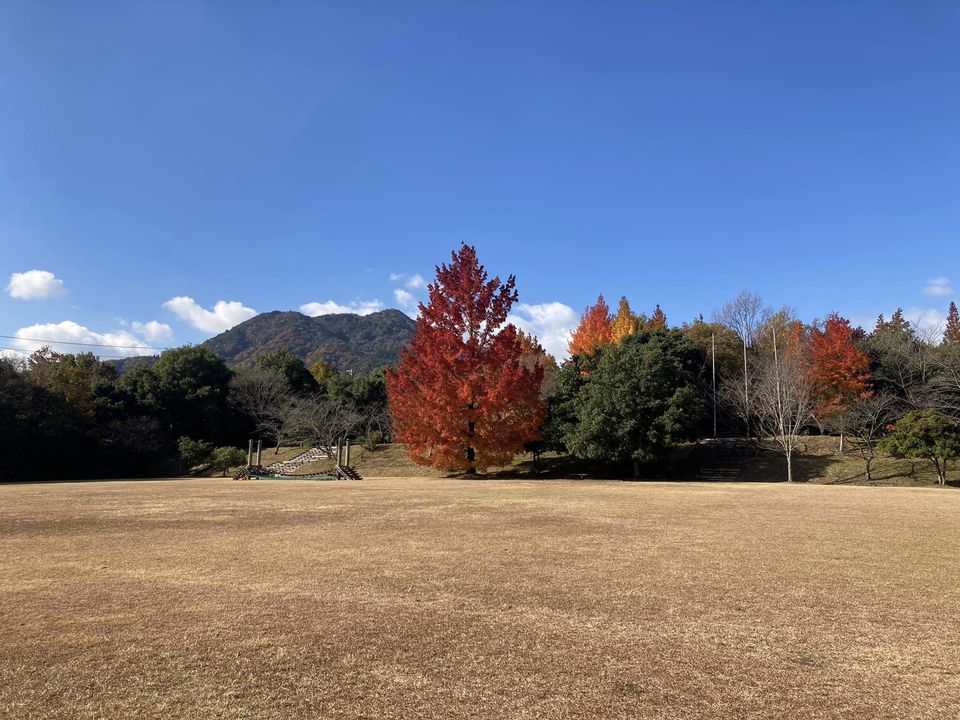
{"x":345,"y":472}
{"x":723,"y":459}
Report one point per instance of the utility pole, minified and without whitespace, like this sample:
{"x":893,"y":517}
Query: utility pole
{"x":713,"y":363}
{"x":746,"y":388}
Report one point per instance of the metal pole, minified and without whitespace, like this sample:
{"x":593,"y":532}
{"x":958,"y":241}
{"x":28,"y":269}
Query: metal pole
{"x":713,"y":354}
{"x":250,"y":452}
{"x":347,"y":463}
{"x":259,"y":448}
{"x":746,"y":389}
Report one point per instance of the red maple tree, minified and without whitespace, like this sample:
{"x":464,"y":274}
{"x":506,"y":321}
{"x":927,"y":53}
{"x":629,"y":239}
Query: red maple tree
{"x":595,"y":329}
{"x":839,"y":370}
{"x":460,"y":397}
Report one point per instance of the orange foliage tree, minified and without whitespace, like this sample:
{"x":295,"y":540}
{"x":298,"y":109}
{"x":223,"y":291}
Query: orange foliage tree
{"x":657,"y":321}
{"x":460,"y":398}
{"x":839,"y":370}
{"x":595,"y":329}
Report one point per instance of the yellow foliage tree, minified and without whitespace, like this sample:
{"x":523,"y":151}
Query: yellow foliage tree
{"x":625,"y":322}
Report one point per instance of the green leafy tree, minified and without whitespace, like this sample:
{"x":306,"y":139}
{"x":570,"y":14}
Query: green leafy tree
{"x":192,"y":384}
{"x":322,"y":371}
{"x":642,"y":398}
{"x":284,"y":362}
{"x":925,"y":434}
{"x":224,"y":458}
{"x":193,"y":452}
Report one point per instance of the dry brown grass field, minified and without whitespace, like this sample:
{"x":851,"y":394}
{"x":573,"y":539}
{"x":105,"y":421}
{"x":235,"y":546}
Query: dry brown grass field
{"x":437,"y":598}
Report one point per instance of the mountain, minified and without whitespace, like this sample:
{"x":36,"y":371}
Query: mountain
{"x":348,"y":342}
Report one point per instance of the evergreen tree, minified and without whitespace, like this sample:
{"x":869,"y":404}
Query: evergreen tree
{"x":643,"y":397}
{"x":951,"y":335}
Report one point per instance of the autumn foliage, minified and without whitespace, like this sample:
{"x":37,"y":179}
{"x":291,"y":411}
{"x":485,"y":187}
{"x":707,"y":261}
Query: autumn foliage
{"x":839,"y":371}
{"x":460,"y":397}
{"x":657,"y":321}
{"x":625,"y":322}
{"x":595,"y":329}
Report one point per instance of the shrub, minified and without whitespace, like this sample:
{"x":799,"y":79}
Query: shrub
{"x":925,"y":434}
{"x":193,"y":452}
{"x":224,"y":458}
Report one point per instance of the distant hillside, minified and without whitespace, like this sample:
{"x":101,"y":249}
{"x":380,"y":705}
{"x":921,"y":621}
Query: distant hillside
{"x":348,"y":342}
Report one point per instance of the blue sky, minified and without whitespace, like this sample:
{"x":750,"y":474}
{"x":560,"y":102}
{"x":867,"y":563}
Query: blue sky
{"x":275,"y":155}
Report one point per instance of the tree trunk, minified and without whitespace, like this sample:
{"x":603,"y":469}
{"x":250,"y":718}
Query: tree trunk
{"x":841,"y":444}
{"x":636,"y":469}
{"x":868,"y":461}
{"x":789,"y":455}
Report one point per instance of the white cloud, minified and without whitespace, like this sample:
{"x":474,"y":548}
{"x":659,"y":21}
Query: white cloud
{"x":223,"y":316}
{"x":416,"y":281}
{"x":153,"y":331}
{"x":406,"y":300}
{"x":35,"y":285}
{"x":330,"y":307}
{"x":551,"y":322}
{"x":70,"y":337}
{"x":394,"y":277}
{"x":938,"y":287}
{"x":927,"y":322}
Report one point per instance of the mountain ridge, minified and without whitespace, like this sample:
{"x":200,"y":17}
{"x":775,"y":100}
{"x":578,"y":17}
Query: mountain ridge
{"x":346,"y":341}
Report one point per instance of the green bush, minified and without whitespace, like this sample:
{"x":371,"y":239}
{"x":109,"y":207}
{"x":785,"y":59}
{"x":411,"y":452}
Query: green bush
{"x":925,"y":434}
{"x":193,"y":452}
{"x":224,"y":458}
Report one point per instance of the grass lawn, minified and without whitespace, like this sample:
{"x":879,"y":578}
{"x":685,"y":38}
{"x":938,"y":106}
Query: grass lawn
{"x":437,"y":598}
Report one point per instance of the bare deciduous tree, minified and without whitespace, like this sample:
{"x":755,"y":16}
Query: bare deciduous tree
{"x":866,"y":422}
{"x":782,"y":397}
{"x":264,"y":396}
{"x":324,"y":421}
{"x":744,"y":315}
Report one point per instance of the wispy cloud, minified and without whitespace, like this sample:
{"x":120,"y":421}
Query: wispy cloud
{"x":223,"y":316}
{"x":938,"y":287}
{"x":330,"y":307}
{"x":416,"y":281}
{"x":35,"y":285}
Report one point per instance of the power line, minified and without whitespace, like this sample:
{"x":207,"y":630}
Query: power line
{"x":108,"y":357}
{"x":89,"y":344}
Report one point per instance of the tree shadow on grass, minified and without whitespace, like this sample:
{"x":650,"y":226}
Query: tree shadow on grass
{"x":771,"y":467}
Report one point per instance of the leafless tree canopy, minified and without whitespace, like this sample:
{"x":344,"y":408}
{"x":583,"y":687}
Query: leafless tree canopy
{"x":744,"y":315}
{"x":782,"y":397}
{"x":866,"y":421}
{"x":264,"y":396}
{"x":324,"y":421}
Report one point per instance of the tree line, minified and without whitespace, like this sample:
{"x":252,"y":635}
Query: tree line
{"x":472,"y":391}
{"x":73,"y":416}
